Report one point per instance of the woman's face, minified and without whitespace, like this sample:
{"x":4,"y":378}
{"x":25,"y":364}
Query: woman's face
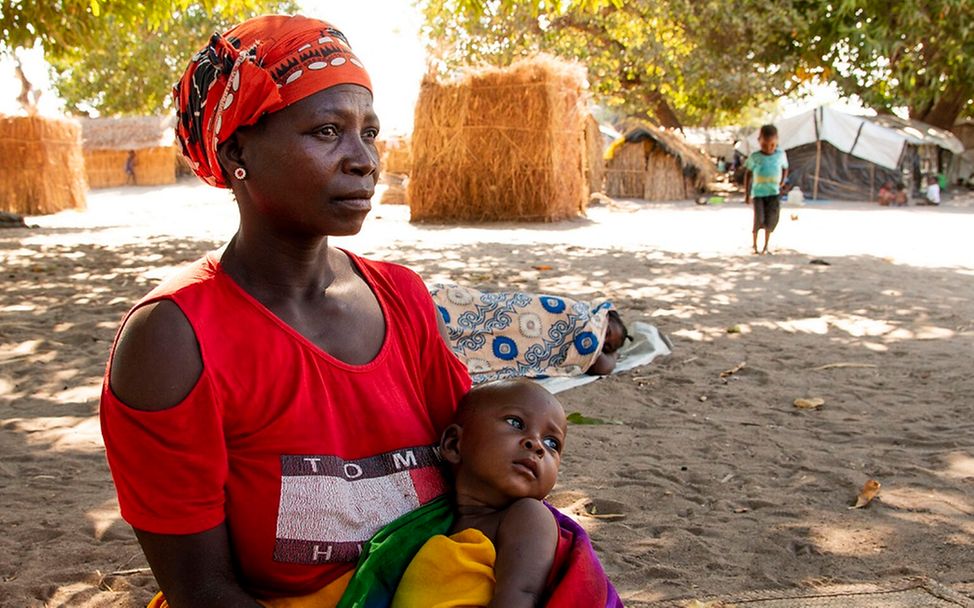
{"x":311,"y":167}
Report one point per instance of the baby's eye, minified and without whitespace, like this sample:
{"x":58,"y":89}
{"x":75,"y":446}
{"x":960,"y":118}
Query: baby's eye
{"x":515,"y":422}
{"x":552,"y":443}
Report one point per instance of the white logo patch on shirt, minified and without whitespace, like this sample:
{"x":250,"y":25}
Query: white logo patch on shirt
{"x":330,"y":507}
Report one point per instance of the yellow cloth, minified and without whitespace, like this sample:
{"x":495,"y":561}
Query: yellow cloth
{"x":449,"y":572}
{"x":326,"y":597}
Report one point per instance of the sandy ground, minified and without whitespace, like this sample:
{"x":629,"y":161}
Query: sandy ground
{"x":720,"y":485}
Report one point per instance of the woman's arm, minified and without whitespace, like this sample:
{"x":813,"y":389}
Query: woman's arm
{"x":526,"y":544}
{"x":195,"y":570}
{"x":156,"y":364}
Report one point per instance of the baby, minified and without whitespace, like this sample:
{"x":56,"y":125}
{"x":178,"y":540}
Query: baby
{"x":504,"y":450}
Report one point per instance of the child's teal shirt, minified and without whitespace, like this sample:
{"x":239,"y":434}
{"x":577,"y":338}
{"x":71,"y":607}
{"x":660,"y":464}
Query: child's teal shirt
{"x":766,"y":171}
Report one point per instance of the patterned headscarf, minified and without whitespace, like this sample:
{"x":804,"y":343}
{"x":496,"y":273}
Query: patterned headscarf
{"x":260,"y":66}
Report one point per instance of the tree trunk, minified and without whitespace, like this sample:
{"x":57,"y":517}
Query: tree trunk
{"x":946,"y":109}
{"x":661,"y":110}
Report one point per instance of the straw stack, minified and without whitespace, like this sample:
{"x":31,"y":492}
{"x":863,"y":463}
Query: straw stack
{"x":594,"y":152}
{"x":108,"y":141}
{"x":394,"y":155}
{"x":43,"y":169}
{"x":500,"y":144}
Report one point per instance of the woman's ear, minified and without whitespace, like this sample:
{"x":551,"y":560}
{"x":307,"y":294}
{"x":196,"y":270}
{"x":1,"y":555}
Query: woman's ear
{"x":450,"y":444}
{"x":230,"y":155}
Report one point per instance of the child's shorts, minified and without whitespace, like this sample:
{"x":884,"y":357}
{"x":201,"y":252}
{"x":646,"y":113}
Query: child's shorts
{"x":766,"y":212}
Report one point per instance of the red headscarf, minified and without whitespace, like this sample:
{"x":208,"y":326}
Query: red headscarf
{"x":260,"y":66}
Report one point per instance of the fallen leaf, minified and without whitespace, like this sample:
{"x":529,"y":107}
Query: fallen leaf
{"x":869,"y":491}
{"x":727,"y":373}
{"x":809,"y":404}
{"x":543,"y":267}
{"x":742,"y":510}
{"x":734,"y":329}
{"x":578,"y":418}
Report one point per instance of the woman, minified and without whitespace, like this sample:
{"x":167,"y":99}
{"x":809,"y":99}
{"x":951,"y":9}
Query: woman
{"x":273,"y":405}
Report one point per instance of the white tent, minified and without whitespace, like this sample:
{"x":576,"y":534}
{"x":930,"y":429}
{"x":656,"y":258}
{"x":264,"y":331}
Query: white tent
{"x":882,"y":141}
{"x":878,"y":139}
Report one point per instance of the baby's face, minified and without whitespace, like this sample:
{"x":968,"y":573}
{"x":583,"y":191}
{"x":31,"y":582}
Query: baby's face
{"x":615,"y":336}
{"x":511,"y":445}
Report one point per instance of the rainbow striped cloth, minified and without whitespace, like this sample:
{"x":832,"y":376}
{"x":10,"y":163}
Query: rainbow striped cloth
{"x":577,"y":579}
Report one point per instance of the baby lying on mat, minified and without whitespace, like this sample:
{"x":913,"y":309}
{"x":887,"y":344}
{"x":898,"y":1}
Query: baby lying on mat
{"x":506,"y":547}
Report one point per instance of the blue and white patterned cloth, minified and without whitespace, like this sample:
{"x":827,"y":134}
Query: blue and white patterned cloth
{"x":512,"y":334}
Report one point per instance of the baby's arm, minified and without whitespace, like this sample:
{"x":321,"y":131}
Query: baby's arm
{"x":526,"y":543}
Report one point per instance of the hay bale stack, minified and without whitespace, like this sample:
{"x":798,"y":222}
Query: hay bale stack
{"x":500,"y":144}
{"x":43,"y":168}
{"x":656,"y":165}
{"x":394,"y":155}
{"x":108,"y":142}
{"x":594,"y":156}
{"x":395,"y":192}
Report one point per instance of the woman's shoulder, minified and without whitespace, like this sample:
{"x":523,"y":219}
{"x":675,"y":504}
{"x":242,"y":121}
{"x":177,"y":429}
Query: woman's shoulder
{"x":156,"y":358}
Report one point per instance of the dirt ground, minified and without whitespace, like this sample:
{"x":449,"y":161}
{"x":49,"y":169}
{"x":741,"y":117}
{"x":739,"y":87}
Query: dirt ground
{"x":718,"y":485}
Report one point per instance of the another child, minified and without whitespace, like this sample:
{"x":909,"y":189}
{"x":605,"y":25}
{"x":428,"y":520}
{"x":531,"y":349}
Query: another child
{"x":766,"y":171}
{"x":505,"y":450}
{"x":886,"y":195}
{"x":933,"y":190}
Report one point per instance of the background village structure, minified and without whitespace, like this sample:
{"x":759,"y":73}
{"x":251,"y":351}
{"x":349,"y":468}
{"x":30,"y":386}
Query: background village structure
{"x":720,"y":475}
{"x":469,"y":158}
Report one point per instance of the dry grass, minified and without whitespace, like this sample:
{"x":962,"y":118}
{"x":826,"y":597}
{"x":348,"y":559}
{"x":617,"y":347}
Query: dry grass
{"x":43,"y":168}
{"x":500,"y":144}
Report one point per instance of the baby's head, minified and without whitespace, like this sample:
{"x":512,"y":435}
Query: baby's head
{"x":506,"y":443}
{"x":615,"y":333}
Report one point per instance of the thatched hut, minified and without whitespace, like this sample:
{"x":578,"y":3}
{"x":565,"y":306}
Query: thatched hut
{"x":654,"y":164}
{"x":594,"y":156}
{"x":500,"y":144}
{"x":394,"y":155}
{"x":109,"y":142}
{"x":43,"y":169}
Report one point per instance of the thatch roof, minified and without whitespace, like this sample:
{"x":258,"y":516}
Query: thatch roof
{"x":129,"y":133}
{"x":694,"y":162}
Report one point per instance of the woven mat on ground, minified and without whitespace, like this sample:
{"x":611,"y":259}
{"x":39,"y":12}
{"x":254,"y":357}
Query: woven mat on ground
{"x":913,"y":593}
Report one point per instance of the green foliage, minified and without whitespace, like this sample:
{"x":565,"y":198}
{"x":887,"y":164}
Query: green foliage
{"x":918,"y":55}
{"x":78,"y":24}
{"x":121,"y":57}
{"x":133,"y":67}
{"x":674,"y":61}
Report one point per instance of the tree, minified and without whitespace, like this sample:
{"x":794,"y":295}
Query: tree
{"x":672,"y":61}
{"x":120,"y":57}
{"x":914,"y":54}
{"x":133,"y":69}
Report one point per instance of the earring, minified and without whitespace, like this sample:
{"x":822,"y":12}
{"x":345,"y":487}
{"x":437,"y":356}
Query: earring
{"x":240,"y":173}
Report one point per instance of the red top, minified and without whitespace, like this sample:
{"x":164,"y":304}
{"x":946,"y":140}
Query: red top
{"x":303,"y":455}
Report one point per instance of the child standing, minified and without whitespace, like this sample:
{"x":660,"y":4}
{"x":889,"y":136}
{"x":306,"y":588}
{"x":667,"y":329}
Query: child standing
{"x":765,"y":173}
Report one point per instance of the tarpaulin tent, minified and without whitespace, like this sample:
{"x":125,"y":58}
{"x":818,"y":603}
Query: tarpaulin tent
{"x":833,"y":154}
